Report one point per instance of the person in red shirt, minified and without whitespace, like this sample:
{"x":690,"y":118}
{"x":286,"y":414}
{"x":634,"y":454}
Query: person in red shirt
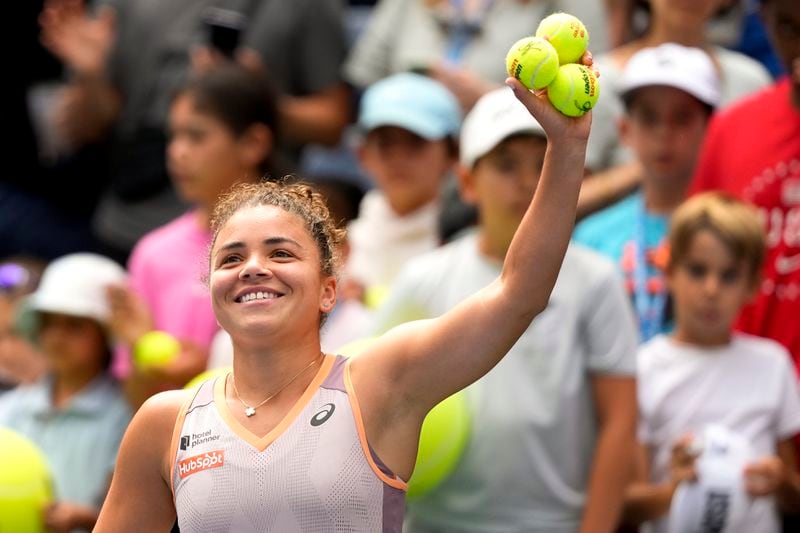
{"x":752,"y":150}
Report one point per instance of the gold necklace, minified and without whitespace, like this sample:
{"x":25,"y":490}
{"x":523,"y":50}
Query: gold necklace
{"x":251,"y":410}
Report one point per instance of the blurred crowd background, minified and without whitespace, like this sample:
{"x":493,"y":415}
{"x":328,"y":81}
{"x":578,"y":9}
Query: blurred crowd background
{"x":128,"y":118}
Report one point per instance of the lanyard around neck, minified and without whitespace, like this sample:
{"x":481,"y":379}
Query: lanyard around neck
{"x":649,"y":308}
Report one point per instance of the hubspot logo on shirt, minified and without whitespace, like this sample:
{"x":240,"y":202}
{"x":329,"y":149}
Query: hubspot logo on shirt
{"x":198,"y":463}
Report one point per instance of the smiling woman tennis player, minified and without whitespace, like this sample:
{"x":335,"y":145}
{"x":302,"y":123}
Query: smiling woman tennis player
{"x":298,"y":440}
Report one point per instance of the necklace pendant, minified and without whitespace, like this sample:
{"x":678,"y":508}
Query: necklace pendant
{"x":249,"y":411}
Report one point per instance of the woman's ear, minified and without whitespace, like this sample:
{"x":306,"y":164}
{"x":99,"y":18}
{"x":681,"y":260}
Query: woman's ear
{"x":327,"y":294}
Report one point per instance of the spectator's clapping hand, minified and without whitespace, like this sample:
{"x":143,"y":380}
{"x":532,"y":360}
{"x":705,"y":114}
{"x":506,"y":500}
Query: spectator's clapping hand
{"x":130,"y":317}
{"x":558,"y":127}
{"x":764,"y":476}
{"x":81,"y":41}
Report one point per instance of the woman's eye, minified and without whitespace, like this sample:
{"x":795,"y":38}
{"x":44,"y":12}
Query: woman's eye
{"x":283,"y":254}
{"x":229,"y":259}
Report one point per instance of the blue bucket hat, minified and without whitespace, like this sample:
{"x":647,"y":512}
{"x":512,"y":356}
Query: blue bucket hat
{"x":413,"y":102}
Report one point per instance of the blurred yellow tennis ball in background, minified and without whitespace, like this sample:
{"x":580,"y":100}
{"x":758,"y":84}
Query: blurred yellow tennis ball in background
{"x":444,"y":436}
{"x":567,"y":34}
{"x":533,"y":61}
{"x":374,"y":295}
{"x":575,"y":90}
{"x":26,"y":485}
{"x":155,"y":348}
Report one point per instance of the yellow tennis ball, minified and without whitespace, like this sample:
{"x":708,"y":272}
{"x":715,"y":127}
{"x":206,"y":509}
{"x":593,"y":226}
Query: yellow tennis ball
{"x":26,"y":485}
{"x":533,"y":61}
{"x":575,"y":90}
{"x":155,"y":348}
{"x":444,"y":437}
{"x":374,"y":295}
{"x":567,"y":34}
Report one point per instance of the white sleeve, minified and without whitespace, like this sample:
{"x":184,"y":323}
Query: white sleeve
{"x":644,"y":401}
{"x":609,"y":325}
{"x":787,"y":423}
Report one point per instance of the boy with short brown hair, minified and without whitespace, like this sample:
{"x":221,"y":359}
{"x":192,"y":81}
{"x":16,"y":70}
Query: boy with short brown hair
{"x":705,"y":380}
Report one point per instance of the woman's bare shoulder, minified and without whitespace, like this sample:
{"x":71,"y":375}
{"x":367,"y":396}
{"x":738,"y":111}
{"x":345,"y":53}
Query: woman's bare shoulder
{"x":165,"y":406}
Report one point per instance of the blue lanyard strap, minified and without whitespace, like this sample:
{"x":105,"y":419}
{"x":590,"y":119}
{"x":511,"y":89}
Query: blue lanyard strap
{"x":649,"y":309}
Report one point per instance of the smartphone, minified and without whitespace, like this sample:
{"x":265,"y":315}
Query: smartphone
{"x":224,"y":28}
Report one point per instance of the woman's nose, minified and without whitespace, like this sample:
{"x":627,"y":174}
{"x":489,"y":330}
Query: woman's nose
{"x":254,"y":267}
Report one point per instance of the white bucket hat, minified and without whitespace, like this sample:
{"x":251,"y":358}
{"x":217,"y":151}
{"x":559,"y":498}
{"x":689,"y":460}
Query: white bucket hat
{"x":72,"y":285}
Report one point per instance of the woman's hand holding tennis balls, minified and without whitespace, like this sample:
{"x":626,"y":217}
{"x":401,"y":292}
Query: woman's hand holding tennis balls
{"x":556,"y":59}
{"x":556,"y":124}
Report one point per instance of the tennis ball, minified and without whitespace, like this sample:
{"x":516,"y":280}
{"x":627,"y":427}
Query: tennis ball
{"x":444,"y":436}
{"x":374,"y":296}
{"x":26,"y":485}
{"x":155,"y":348}
{"x":575,"y":90}
{"x":567,"y":34}
{"x":533,"y":61}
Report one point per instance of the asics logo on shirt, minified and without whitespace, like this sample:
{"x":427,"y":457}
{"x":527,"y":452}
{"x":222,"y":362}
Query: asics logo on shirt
{"x":323,"y":415}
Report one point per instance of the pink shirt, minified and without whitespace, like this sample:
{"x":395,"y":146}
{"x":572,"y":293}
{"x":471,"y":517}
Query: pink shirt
{"x":167,"y":269}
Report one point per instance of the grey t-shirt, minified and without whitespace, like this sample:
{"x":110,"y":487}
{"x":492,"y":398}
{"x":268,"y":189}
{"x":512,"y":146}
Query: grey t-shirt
{"x":527,"y":464}
{"x":302,"y":42}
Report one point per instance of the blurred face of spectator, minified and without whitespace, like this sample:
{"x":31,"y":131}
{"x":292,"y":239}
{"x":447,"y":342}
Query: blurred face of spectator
{"x":708,"y":288}
{"x":205,"y":157}
{"x":782,"y":19}
{"x":664,"y":127}
{"x":501,"y":184}
{"x":407,"y":168}
{"x":72,"y":345}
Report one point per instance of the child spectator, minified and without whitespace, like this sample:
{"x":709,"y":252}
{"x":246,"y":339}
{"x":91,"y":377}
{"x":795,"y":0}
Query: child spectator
{"x":753,"y":152}
{"x":553,"y":423}
{"x":410,"y":124}
{"x":669,"y":93}
{"x":704,"y":374}
{"x":77,"y":413}
{"x":222,"y":126}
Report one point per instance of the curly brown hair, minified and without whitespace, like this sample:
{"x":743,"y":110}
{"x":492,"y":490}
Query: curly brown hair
{"x":298,"y":198}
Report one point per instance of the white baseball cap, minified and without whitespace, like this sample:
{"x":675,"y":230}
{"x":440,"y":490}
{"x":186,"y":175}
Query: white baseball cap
{"x":495,"y":117}
{"x":73,"y":285}
{"x":673,"y":65}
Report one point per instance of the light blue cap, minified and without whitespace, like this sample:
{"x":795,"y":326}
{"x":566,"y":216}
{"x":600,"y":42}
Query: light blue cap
{"x":413,"y":102}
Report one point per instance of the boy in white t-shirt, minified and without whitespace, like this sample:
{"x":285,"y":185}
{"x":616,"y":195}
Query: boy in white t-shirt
{"x":553,"y":424}
{"x":736,"y":390}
